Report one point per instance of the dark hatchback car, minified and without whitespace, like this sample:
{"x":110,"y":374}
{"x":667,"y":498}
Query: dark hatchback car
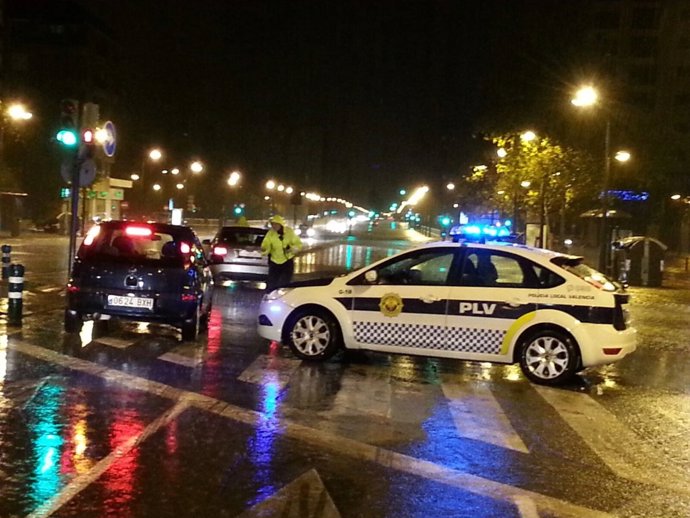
{"x":150,"y":272}
{"x":236,"y":254}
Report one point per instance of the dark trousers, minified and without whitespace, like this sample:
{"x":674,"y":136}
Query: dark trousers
{"x":279,"y":275}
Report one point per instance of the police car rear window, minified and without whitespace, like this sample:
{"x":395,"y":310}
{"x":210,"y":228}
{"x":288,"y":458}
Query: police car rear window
{"x":577,"y":266}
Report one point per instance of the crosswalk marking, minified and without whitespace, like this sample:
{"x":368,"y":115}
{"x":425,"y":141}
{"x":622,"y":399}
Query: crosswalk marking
{"x":270,"y":369}
{"x":618,"y":447}
{"x":115,"y":342}
{"x":180,"y":359}
{"x":479,"y":416}
{"x":304,"y":497}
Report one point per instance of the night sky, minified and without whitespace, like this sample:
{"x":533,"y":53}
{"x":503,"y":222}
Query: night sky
{"x":351,"y":98}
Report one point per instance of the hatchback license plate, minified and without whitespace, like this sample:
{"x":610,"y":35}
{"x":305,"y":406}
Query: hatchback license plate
{"x":130,"y":302}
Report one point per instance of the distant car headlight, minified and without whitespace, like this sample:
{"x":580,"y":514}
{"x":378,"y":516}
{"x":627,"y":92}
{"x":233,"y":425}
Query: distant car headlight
{"x":311,"y":232}
{"x":277,"y":294}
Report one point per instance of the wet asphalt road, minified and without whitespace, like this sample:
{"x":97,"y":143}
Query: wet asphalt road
{"x":128,"y":421}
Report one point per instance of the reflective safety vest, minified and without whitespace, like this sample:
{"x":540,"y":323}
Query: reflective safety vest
{"x":281,"y":250}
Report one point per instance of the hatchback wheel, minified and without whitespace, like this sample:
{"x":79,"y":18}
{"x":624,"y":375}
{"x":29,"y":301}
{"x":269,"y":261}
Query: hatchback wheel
{"x":549,"y":357}
{"x":73,"y":321}
{"x":314,"y":335}
{"x":190,"y":327}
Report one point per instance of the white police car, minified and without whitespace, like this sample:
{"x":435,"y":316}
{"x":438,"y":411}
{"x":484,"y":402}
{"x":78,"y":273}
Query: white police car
{"x":501,"y":303}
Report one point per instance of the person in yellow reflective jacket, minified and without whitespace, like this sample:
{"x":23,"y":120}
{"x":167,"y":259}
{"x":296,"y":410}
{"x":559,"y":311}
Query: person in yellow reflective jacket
{"x":280,"y":244}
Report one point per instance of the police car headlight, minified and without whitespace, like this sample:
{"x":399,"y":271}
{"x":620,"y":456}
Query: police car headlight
{"x":277,"y":294}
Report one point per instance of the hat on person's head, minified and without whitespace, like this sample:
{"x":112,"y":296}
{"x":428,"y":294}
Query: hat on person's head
{"x":277,"y":219}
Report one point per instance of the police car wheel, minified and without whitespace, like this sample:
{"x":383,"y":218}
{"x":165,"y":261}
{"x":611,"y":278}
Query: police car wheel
{"x":549,"y":357}
{"x":314,"y":336}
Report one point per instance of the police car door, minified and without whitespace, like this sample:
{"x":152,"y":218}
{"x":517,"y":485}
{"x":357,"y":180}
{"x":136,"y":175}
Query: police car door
{"x":487,"y":302}
{"x":404,"y":310}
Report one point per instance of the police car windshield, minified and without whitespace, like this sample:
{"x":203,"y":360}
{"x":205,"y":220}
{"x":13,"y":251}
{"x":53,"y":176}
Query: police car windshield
{"x":576,"y":266}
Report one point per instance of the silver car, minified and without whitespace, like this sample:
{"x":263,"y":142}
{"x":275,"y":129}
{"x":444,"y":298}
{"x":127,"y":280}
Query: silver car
{"x":236,"y":254}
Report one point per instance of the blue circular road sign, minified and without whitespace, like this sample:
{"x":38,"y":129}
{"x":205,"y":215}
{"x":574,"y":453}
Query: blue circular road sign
{"x":110,"y":142}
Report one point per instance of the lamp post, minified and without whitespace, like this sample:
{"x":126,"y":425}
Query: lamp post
{"x":585,"y":97}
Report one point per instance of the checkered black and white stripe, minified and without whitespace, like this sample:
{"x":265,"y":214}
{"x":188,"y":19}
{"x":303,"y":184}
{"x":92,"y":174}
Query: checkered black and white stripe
{"x":486,"y":341}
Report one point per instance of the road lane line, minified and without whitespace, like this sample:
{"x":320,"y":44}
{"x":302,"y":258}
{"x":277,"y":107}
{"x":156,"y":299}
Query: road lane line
{"x":338,"y":444}
{"x":526,"y":507}
{"x":270,"y":369}
{"x":81,"y":482}
{"x":623,"y":451}
{"x":479,"y":416}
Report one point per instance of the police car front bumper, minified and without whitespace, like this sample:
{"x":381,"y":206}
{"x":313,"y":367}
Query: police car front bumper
{"x":272,"y":315}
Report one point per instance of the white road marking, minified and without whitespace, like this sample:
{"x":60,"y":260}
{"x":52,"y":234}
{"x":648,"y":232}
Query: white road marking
{"x":81,"y":482}
{"x":623,"y":451}
{"x":304,"y":497}
{"x":50,"y":289}
{"x":526,"y":507}
{"x":115,"y":342}
{"x":339,"y":445}
{"x":270,"y":369}
{"x":478,"y":415}
{"x":180,"y":359}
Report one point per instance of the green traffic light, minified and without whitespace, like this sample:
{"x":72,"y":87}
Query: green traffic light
{"x":238,"y":210}
{"x":67,"y":138}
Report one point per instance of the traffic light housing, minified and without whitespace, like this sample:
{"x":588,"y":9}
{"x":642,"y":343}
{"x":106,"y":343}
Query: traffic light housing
{"x":88,"y":144}
{"x":69,"y":123}
{"x":238,"y":210}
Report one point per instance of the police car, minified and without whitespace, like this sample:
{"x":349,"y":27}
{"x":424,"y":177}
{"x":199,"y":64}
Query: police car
{"x":502,"y":302}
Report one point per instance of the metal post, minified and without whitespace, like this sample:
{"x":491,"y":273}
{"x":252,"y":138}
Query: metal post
{"x":604,"y":248}
{"x":74,"y":223}
{"x":542,"y":211}
{"x":14,"y":294}
{"x":6,"y":251}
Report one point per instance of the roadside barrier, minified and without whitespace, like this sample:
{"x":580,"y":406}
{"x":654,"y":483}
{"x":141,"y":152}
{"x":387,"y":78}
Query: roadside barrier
{"x":6,"y":251}
{"x":15,"y":294}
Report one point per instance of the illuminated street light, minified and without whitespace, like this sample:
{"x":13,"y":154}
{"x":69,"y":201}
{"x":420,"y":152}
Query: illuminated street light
{"x":157,"y":187}
{"x":450,"y":186}
{"x":501,"y":152}
{"x":180,"y":186}
{"x":281,"y":188}
{"x":175,"y":171}
{"x":528,"y":136}
{"x":164,"y":171}
{"x":622,"y":156}
{"x":234,"y":178}
{"x":675,"y":197}
{"x":134,"y":177}
{"x":525,"y":183}
{"x":585,"y":96}
{"x":196,"y":167}
{"x":155,"y":154}
{"x":270,"y":185}
{"x":289,"y":190}
{"x":18,"y":112}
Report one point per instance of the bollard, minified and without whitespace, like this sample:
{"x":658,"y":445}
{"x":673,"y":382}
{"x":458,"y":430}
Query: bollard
{"x":14,"y":295}
{"x":6,"y":249}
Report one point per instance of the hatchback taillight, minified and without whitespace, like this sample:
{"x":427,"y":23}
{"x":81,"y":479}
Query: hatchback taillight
{"x":220,"y":250}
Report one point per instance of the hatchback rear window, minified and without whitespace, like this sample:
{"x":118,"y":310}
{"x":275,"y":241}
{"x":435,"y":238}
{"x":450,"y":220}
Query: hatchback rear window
{"x":241,"y":237}
{"x":134,"y":244}
{"x":576,"y":266}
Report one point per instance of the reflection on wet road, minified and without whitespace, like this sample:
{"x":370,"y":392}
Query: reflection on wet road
{"x":125,"y":420}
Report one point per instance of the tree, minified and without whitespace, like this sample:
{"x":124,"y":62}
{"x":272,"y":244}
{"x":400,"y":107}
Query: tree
{"x":527,"y":168}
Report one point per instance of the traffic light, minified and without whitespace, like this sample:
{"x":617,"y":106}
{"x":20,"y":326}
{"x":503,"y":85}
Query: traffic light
{"x":238,"y":210}
{"x":69,"y":122}
{"x":88,"y":144}
{"x":351,"y":214}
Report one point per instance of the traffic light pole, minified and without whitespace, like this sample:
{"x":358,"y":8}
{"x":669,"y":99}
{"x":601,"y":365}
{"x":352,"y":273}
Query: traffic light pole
{"x":74,"y":223}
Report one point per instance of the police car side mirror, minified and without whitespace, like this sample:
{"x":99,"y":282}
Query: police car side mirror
{"x":371,"y":276}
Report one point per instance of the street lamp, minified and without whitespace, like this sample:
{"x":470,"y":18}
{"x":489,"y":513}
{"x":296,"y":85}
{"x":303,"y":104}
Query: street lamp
{"x":157,"y":187}
{"x":134,"y":177}
{"x":270,"y":185}
{"x":196,"y":167}
{"x":234,"y":179}
{"x":450,"y":186}
{"x":155,"y":154}
{"x":622,"y":156}
{"x":18,"y":112}
{"x":586,"y":97}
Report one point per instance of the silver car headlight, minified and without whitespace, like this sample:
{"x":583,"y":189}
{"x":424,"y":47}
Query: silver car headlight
{"x":277,"y":294}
